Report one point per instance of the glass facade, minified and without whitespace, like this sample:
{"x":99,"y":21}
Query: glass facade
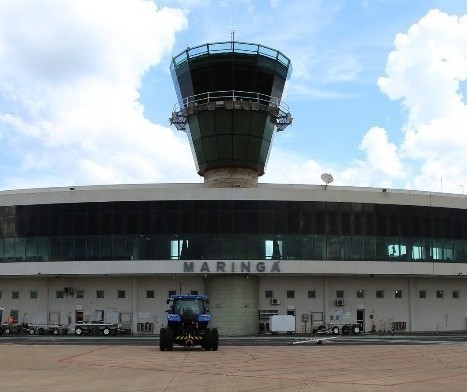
{"x":232,"y":230}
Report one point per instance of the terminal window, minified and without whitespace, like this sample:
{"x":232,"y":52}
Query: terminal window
{"x":379,"y":293}
{"x":121,"y":294}
{"x":268,"y":294}
{"x":33,"y":294}
{"x":100,"y":294}
{"x":179,"y":249}
{"x":15,"y":294}
{"x":455,"y":294}
{"x":439,"y":294}
{"x":339,"y":293}
{"x":398,"y":294}
{"x":360,"y":293}
{"x":311,"y":294}
{"x":290,"y":293}
{"x":80,"y":294}
{"x":422,"y":294}
{"x":150,"y":294}
{"x":59,"y":294}
{"x":273,"y":249}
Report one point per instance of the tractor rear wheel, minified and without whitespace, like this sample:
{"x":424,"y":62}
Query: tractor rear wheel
{"x":207,"y":339}
{"x":162,"y":339}
{"x":169,"y":342}
{"x":214,"y":339}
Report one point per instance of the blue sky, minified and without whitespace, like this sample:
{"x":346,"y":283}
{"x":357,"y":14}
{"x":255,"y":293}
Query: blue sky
{"x":377,"y":89}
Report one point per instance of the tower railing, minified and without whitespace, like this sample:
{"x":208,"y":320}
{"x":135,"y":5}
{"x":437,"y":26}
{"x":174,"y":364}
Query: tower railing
{"x":231,"y":100}
{"x":227,"y":47}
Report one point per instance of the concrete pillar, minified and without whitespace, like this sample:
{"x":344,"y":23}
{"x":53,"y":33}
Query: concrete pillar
{"x":234,"y":304}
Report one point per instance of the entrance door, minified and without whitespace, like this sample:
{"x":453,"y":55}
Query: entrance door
{"x":54,"y":317}
{"x":111,"y":316}
{"x":361,"y":319}
{"x":79,"y":316}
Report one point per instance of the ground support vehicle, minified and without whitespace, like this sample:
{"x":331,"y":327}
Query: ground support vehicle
{"x":96,"y":328}
{"x":282,"y":324}
{"x":43,"y":329}
{"x":336,"y":329}
{"x":187,"y":324}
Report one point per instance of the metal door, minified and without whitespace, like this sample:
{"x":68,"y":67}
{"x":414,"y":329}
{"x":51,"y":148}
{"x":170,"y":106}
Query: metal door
{"x":361,"y":319}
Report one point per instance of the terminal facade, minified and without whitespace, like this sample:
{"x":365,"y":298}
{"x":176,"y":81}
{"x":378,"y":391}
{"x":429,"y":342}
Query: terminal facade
{"x":387,"y":259}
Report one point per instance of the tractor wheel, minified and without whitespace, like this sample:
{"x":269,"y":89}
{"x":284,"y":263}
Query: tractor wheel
{"x":335,"y":330}
{"x":356,"y":329}
{"x":162,"y":339}
{"x":345,"y":330}
{"x":106,"y":331}
{"x":78,"y":331}
{"x":207,"y":339}
{"x":169,"y":342}
{"x":214,"y":339}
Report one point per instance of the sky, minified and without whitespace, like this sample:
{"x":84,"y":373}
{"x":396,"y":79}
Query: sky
{"x":377,"y":91}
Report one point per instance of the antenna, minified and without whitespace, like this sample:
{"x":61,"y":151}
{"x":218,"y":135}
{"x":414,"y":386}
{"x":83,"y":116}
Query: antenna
{"x":232,"y":35}
{"x":327,"y":179}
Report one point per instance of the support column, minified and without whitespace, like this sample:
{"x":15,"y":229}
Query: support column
{"x":234,"y":304}
{"x":134,"y":307}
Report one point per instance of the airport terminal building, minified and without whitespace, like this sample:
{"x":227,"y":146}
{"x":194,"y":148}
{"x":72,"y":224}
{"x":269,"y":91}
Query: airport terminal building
{"x":388,"y":259}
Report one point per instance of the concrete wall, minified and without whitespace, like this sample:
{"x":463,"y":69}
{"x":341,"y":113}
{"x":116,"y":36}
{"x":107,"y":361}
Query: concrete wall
{"x":235,"y":301}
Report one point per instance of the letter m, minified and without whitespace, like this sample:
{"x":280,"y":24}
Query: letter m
{"x":188,"y":266}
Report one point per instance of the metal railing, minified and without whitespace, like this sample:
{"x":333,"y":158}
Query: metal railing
{"x":229,"y":47}
{"x":219,"y":97}
{"x":231,"y":100}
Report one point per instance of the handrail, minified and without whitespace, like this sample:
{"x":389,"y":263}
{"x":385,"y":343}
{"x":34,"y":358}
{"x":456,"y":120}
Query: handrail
{"x":230,"y":47}
{"x":232,"y":95}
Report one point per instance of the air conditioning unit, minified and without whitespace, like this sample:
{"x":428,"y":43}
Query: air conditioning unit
{"x":275,"y":301}
{"x":339,"y":302}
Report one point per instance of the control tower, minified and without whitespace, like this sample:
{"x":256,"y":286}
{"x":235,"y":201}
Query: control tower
{"x":230,"y":105}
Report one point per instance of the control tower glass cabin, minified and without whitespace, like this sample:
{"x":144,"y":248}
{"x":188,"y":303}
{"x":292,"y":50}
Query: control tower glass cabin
{"x":230,"y":105}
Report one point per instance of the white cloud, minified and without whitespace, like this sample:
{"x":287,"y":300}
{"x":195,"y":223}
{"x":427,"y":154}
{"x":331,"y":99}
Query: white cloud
{"x":70,"y":74}
{"x":425,"y":72}
{"x":382,"y":158}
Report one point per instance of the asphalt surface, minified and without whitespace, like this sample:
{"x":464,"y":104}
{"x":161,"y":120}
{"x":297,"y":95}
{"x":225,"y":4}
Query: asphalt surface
{"x":350,"y":363}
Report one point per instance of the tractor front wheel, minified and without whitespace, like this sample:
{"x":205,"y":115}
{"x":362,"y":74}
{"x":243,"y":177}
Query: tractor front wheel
{"x":207,"y":339}
{"x":169,"y":342}
{"x":162,"y":339}
{"x":214,"y":339}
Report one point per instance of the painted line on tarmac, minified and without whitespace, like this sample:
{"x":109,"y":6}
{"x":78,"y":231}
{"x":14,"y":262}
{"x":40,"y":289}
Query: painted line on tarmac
{"x":84,"y":353}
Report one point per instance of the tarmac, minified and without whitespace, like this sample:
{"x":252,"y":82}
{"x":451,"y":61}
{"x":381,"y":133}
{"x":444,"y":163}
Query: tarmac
{"x":331,"y":366}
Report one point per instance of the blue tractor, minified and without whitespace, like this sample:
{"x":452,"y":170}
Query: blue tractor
{"x":187,"y":324}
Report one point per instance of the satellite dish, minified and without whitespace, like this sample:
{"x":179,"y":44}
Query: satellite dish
{"x":327,"y":179}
